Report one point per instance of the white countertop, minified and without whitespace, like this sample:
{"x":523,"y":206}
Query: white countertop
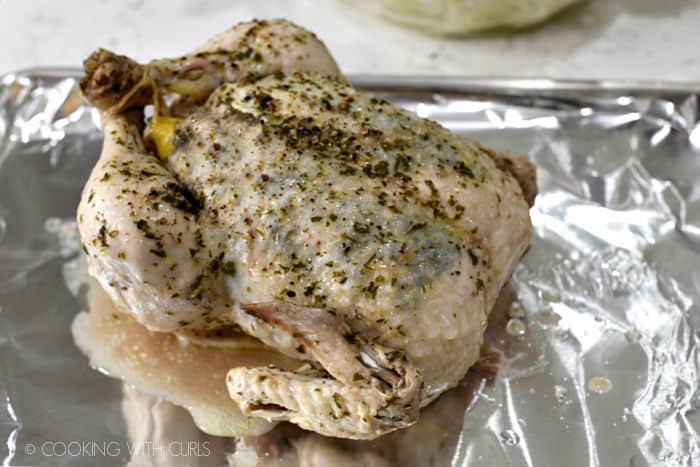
{"x":628,"y":39}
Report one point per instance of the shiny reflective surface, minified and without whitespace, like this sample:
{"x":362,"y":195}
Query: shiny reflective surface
{"x":598,"y":332}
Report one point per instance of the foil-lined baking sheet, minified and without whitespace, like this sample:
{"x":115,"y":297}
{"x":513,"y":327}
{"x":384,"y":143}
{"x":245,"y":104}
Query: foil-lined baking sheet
{"x":597,"y":331}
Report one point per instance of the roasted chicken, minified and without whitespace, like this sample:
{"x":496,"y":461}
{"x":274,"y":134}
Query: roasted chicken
{"x":247,"y":188}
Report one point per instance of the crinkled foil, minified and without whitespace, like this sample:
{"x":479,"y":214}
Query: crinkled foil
{"x":597,"y":332}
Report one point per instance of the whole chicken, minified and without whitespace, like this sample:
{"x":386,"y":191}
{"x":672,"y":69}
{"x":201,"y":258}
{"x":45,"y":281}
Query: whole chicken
{"x":265,"y":195}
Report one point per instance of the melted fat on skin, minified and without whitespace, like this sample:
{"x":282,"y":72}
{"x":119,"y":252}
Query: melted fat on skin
{"x":189,"y":375}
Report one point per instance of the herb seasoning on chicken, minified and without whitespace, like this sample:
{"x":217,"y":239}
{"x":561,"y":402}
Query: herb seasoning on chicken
{"x":272,"y":198}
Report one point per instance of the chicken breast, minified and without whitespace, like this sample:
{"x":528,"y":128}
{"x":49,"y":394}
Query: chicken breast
{"x":331,"y":226}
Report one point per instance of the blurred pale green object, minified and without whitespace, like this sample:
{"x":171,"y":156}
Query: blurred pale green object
{"x":456,"y":17}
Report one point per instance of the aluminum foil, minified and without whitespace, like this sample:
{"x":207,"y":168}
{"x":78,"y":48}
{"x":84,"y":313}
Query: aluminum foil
{"x":598,"y":329}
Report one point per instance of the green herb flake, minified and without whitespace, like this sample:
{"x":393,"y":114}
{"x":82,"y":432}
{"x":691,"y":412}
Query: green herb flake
{"x":360,"y":227}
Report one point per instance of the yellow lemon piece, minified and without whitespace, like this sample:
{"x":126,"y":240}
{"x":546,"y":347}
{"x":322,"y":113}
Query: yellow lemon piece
{"x":163,"y":135}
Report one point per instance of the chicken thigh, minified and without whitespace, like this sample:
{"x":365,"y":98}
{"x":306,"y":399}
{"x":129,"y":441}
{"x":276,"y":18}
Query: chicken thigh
{"x":334,"y":227}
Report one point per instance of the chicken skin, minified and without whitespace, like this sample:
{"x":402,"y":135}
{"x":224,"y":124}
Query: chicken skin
{"x":271,"y":198}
